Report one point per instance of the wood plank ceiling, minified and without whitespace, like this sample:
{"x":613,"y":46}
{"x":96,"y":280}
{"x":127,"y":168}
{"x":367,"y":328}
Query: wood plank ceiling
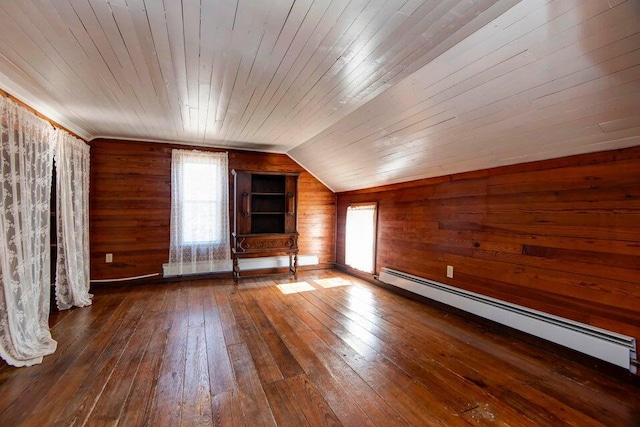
{"x":360,"y":92}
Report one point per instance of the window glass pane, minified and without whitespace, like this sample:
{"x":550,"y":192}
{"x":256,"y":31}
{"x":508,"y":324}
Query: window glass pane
{"x":360,"y":237}
{"x":199,"y":181}
{"x":200,"y":203}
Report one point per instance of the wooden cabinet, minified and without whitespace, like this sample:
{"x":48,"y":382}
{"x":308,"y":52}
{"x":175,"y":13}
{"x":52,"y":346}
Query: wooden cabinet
{"x":265,"y":217}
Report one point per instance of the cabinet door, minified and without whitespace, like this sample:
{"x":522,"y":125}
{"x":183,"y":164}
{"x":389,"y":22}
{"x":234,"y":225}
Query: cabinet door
{"x":291,"y":204}
{"x":242,"y":202}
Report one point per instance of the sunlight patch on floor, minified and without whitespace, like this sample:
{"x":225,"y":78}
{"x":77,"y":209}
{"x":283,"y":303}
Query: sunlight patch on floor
{"x":361,"y":301}
{"x":293,"y":288}
{"x":333,"y":282}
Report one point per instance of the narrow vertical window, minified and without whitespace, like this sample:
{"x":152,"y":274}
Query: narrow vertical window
{"x":360,"y":237}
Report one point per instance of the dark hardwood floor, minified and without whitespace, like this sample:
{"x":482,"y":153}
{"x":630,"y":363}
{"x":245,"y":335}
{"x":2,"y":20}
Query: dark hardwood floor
{"x":327,"y":350}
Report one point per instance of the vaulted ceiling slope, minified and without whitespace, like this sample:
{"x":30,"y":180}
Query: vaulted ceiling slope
{"x":360,"y":92}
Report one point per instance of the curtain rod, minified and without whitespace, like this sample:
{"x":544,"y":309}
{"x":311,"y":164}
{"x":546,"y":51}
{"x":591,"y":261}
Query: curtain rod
{"x":40,"y":115}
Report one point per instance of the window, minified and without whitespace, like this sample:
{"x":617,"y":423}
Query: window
{"x":199,"y":213}
{"x":360,"y":237}
{"x":201,"y":200}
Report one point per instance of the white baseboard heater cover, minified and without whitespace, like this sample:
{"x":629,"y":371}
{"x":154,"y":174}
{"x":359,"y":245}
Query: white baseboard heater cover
{"x":609,"y":346}
{"x":245,"y":264}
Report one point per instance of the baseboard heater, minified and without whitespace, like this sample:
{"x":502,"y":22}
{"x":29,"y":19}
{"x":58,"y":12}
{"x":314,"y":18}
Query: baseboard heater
{"x":245,"y":264}
{"x":609,"y":346}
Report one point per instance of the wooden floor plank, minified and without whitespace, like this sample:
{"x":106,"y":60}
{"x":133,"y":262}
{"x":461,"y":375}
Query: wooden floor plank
{"x":232,"y":333}
{"x":487,"y":367}
{"x":333,"y":377}
{"x":407,"y":352}
{"x":107,"y":406}
{"x":284,"y":407}
{"x":166,"y":407}
{"x":253,"y":400}
{"x":286,"y":362}
{"x":196,"y":398}
{"x":302,"y":403}
{"x":460,"y":371}
{"x":327,"y":350}
{"x":102,"y":361}
{"x":36,"y":388}
{"x":220,"y":371}
{"x":226,"y":410}
{"x":310,"y":402}
{"x":441,"y":388}
{"x":196,"y":395}
{"x":266,"y":366}
{"x":415,"y":403}
{"x":137,"y":407}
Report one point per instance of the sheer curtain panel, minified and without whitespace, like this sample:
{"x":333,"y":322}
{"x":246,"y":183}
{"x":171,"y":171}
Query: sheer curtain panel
{"x":25,"y":189}
{"x":72,"y":190}
{"x":199,"y":213}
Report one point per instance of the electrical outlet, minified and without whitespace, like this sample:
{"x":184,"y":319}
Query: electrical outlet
{"x":109,"y":258}
{"x":450,"y":271}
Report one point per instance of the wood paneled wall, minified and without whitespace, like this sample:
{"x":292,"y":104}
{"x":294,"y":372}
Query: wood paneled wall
{"x":130,"y":205}
{"x":561,"y":236}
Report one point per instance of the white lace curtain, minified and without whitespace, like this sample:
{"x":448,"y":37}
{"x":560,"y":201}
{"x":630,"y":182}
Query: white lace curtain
{"x":199,"y":212}
{"x":29,"y":145}
{"x":26,"y":175}
{"x":72,"y":191}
